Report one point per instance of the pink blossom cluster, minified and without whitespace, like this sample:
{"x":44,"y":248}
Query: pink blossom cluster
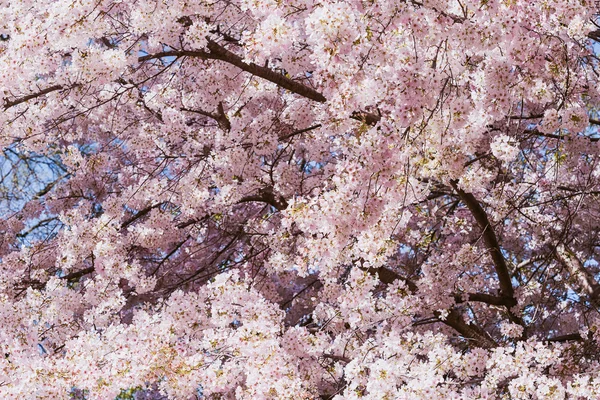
{"x":260,"y":199}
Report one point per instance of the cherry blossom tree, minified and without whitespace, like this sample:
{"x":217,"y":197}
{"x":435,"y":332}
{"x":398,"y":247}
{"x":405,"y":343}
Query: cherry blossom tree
{"x":257,"y":199}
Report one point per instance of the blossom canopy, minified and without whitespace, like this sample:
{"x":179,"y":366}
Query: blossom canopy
{"x":258,"y":199}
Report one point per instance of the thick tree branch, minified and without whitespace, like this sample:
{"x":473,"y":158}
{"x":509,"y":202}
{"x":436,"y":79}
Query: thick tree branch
{"x":489,"y":238}
{"x":486,"y":298}
{"x":387,"y":276}
{"x":221,"y":53}
{"x":566,"y":338}
{"x":140,"y":214}
{"x":366,"y":117}
{"x":595,"y":35}
{"x":455,"y":321}
{"x":333,"y":357}
{"x":584,"y":278}
{"x":266,"y":195}
{"x":11,"y":103}
{"x":218,"y":52}
{"x":220,"y":117}
{"x":77,"y":274}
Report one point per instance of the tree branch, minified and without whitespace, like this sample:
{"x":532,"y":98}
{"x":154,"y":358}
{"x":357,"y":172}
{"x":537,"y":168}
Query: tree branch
{"x":333,"y":357}
{"x":77,"y":274}
{"x":366,"y":117}
{"x":489,"y":238}
{"x":560,"y":137}
{"x":218,"y":52}
{"x":455,"y":321}
{"x":595,"y":35}
{"x":219,"y":116}
{"x":486,"y":298}
{"x":566,"y":338}
{"x":10,"y":103}
{"x":299,"y":132}
{"x":266,"y":195}
{"x":578,"y":271}
{"x":140,"y":214}
{"x":304,"y":289}
{"x":387,"y":276}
